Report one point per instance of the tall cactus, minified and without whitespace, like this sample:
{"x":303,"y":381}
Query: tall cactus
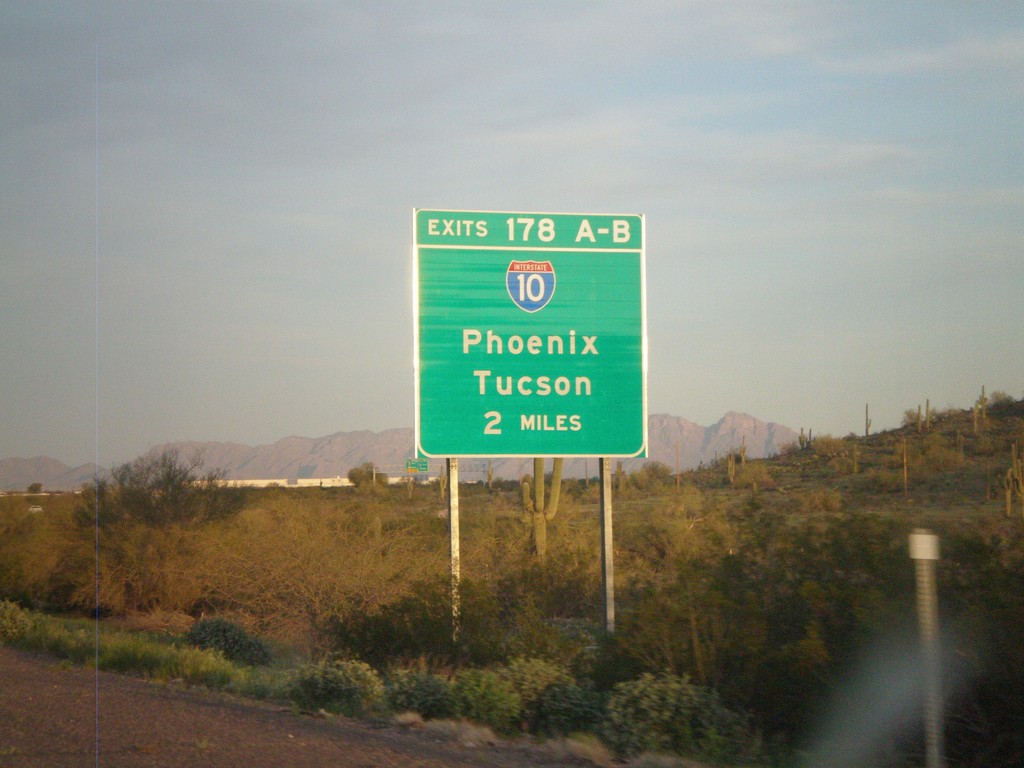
{"x":539,"y":509}
{"x":442,"y":484}
{"x":867,"y":421}
{"x":1014,"y":480}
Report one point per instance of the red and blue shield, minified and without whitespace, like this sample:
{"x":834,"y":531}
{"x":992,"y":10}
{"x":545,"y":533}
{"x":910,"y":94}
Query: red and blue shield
{"x":531,"y":284}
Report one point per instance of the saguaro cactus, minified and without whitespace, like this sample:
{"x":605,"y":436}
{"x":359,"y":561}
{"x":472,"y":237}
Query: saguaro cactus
{"x":539,"y":509}
{"x":1014,"y":480}
{"x":867,"y":421}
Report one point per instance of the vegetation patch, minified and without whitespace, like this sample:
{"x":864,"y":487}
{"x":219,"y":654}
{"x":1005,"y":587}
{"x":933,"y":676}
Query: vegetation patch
{"x":350,"y":688}
{"x":426,"y":694}
{"x":741,"y":587}
{"x":230,"y":639}
{"x":483,"y":696}
{"x":14,"y":623}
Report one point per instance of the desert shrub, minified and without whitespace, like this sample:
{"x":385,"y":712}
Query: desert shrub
{"x":939,"y":455}
{"x":484,"y":697}
{"x":14,"y":623}
{"x":983,"y":445}
{"x":882,"y":480}
{"x":534,"y":635}
{"x":828,"y":446}
{"x":421,"y":692}
{"x":565,"y":708}
{"x":652,"y":476}
{"x":820,"y":500}
{"x":666,"y":713}
{"x":1000,"y":398}
{"x":755,"y":475}
{"x":151,"y":515}
{"x":351,"y":688}
{"x":529,"y":678}
{"x":230,"y":639}
{"x":160,"y":490}
{"x":419,"y":625}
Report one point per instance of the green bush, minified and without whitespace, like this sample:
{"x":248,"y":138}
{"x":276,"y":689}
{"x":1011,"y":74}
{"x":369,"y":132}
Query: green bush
{"x":64,"y":639}
{"x":14,"y":623}
{"x":230,"y":639}
{"x":350,"y":688}
{"x":666,"y":713}
{"x":419,"y":625}
{"x":421,"y":692}
{"x":133,"y":654}
{"x":529,"y":678}
{"x":484,"y":697}
{"x":565,"y":708}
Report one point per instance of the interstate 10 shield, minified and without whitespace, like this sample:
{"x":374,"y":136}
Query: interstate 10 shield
{"x":531,"y":284}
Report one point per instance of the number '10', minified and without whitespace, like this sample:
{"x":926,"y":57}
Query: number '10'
{"x":531,"y":287}
{"x":545,"y":228}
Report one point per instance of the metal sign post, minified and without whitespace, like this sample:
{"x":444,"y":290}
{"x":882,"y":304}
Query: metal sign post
{"x":453,"y":545}
{"x":607,"y":560}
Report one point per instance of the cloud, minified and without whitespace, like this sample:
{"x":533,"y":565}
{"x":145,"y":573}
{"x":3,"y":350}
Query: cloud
{"x":998,"y":53}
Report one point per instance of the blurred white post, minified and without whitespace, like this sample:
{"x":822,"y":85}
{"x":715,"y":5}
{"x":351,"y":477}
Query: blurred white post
{"x":924,"y":550}
{"x":453,"y":542}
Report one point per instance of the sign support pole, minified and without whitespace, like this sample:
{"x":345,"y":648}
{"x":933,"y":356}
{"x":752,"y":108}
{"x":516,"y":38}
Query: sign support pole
{"x":453,"y":539}
{"x":607,"y":560}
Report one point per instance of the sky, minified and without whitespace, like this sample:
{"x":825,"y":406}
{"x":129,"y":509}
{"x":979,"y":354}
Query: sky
{"x":206,"y":207}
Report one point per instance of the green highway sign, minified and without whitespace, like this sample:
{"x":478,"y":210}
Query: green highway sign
{"x":412,"y":466}
{"x":530,"y":334}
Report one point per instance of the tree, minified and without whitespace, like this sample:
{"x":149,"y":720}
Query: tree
{"x":539,"y":511}
{"x":366,"y":476}
{"x":35,"y":488}
{"x":160,"y":490}
{"x":145,"y":525}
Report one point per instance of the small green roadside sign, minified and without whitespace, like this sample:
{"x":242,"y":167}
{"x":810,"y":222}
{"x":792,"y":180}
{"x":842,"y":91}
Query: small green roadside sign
{"x":530,"y":334}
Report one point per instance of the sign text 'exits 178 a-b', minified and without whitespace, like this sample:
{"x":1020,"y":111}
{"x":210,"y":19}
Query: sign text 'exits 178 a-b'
{"x":530,"y":334}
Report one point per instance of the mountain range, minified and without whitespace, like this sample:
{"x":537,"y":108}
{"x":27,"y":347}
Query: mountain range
{"x":672,"y":440}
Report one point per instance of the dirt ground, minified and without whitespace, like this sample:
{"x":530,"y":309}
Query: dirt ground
{"x":52,"y":716}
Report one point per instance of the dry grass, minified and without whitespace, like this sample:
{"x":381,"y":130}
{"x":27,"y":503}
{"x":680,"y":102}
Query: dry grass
{"x":650,"y":760}
{"x":158,"y":622}
{"x":581,"y":747}
{"x":465,"y":733}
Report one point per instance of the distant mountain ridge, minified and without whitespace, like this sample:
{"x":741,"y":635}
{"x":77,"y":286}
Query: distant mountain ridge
{"x":18,"y":474}
{"x":670,"y":438}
